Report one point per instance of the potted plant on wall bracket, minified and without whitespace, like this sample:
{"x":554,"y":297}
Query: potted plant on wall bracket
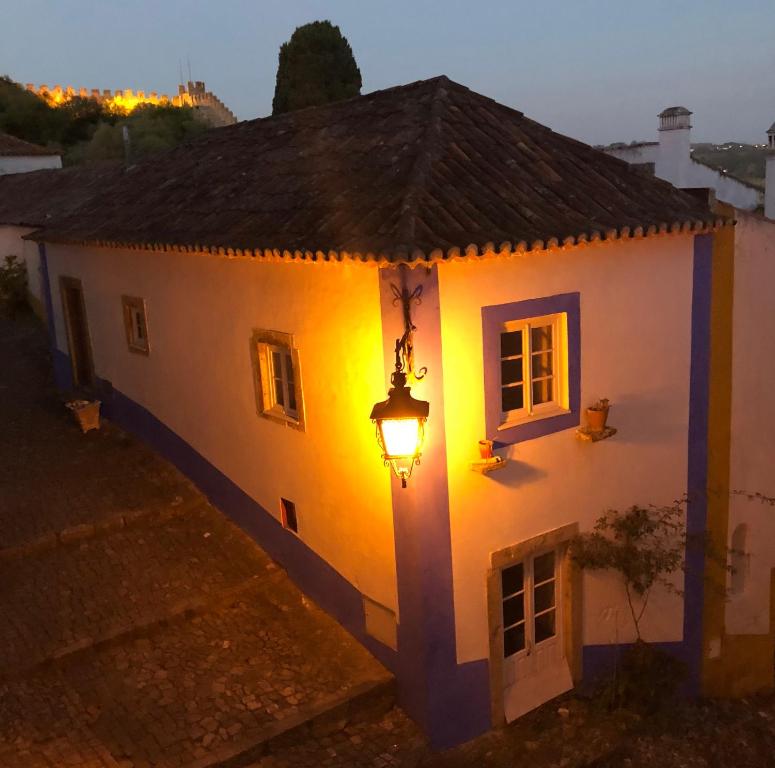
{"x":597,"y":422}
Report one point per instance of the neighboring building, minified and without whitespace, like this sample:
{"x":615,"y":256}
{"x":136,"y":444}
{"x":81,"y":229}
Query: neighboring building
{"x":193,"y":94}
{"x":28,"y":201}
{"x":18,"y":156}
{"x":236,"y":302}
{"x":671,"y":159}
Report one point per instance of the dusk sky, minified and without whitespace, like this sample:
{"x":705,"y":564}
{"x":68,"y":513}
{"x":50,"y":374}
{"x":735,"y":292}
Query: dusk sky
{"x":598,"y":70}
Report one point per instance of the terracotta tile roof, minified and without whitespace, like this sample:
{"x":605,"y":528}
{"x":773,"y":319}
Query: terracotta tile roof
{"x":423,"y":171}
{"x":36,"y":198}
{"x":10,"y":146}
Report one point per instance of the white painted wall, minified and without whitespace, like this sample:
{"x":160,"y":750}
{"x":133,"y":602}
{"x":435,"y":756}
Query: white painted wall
{"x":752,"y":465}
{"x":635,"y":336}
{"x":23,"y":164}
{"x":673,"y":162}
{"x":728,"y":190}
{"x":197,"y":379}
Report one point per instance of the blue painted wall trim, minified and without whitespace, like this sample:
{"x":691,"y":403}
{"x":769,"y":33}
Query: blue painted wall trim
{"x":493,"y":318}
{"x":314,"y":576}
{"x":450,"y":701}
{"x":697,"y":479}
{"x":63,"y":372}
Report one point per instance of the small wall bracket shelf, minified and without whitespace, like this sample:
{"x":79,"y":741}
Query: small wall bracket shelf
{"x":485,"y":466}
{"x":594,"y":436}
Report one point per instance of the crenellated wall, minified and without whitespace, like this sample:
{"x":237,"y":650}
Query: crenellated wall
{"x":192,"y":94}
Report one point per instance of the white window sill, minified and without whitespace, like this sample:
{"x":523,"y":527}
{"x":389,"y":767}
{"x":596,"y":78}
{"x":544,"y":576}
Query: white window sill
{"x":542,"y":414}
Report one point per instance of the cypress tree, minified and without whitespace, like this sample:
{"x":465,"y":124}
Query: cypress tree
{"x":316,"y":67}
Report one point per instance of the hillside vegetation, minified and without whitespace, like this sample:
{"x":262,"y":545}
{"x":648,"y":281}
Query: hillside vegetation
{"x":746,"y":161}
{"x":87,"y":131}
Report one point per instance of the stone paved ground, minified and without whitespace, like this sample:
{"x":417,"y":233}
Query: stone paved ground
{"x":165,"y":637}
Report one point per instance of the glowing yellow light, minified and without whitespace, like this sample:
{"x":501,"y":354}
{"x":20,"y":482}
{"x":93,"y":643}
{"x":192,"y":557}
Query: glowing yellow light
{"x":401,"y":437}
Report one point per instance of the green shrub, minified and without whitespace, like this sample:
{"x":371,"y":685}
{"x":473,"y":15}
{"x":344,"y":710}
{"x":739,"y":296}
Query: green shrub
{"x":645,"y":679}
{"x":13,"y":286}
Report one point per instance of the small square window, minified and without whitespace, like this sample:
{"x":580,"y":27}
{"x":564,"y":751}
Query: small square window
{"x":533,"y":368}
{"x":288,"y":514}
{"x":277,"y":377}
{"x":135,"y":324}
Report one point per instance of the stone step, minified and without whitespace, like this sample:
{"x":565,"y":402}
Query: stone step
{"x":369,"y":699}
{"x":68,"y":599}
{"x":115,"y":521}
{"x":220,"y":687}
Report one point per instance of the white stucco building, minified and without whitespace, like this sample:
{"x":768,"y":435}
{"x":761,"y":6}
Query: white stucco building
{"x":17,"y":156}
{"x":670,"y":158}
{"x":236,"y":302}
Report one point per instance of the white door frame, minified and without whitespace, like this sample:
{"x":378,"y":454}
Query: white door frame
{"x":569,"y":613}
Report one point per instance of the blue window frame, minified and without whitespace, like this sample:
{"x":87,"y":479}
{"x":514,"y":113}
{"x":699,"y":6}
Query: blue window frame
{"x":532,"y":367}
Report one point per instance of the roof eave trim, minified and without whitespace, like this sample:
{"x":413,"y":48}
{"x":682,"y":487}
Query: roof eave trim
{"x":416,"y":257}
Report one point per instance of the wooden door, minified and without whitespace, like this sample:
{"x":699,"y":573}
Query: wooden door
{"x":77,"y":331}
{"x":534,"y":665}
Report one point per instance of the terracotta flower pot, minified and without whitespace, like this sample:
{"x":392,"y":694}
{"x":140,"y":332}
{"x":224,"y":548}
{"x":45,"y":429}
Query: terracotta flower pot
{"x":485,"y":449}
{"x":596,"y":419}
{"x":87,"y":413}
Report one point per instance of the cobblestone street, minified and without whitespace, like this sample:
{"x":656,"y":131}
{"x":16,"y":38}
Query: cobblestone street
{"x":138,"y":626}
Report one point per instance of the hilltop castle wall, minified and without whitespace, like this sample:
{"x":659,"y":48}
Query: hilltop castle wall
{"x":193,"y":94}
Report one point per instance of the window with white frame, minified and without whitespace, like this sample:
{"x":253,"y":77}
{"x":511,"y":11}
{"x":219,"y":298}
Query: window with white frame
{"x":278,"y":384}
{"x":533,"y":368}
{"x":135,"y":324}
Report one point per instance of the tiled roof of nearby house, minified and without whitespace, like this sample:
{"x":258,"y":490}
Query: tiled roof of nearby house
{"x":10,"y":146}
{"x":33,"y":199}
{"x":423,"y":171}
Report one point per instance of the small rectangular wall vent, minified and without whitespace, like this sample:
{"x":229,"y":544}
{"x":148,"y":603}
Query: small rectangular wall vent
{"x":288,"y":513}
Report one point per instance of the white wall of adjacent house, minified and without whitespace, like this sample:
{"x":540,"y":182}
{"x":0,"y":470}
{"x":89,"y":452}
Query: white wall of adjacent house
{"x":198,"y":380}
{"x":635,"y":350}
{"x":673,"y":162}
{"x":13,"y":244}
{"x":753,"y":426}
{"x":25,"y":163}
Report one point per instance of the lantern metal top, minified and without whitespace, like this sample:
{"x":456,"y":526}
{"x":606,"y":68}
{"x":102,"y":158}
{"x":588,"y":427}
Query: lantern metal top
{"x":400,"y":404}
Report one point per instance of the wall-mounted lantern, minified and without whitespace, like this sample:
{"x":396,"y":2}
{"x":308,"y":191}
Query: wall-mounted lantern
{"x":401,"y":418}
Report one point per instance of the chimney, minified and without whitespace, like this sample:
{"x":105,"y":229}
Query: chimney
{"x":769,"y":179}
{"x":674,"y":157}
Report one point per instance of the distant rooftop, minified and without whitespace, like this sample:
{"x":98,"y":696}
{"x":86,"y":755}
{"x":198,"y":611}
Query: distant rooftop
{"x":10,"y":146}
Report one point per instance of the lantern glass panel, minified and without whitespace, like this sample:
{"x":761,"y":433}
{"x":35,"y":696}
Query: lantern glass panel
{"x":401,"y":436}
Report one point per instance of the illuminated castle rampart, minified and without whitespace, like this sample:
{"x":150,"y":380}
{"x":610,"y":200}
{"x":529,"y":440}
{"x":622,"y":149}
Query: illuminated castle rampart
{"x":193,"y":94}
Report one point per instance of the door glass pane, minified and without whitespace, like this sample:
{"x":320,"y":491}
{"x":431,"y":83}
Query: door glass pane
{"x":511,"y":343}
{"x":514,"y":610}
{"x":511,"y":371}
{"x":541,"y":338}
{"x":543,"y":597}
{"x":511,"y":398}
{"x":512,"y":580}
{"x":543,"y":567}
{"x":544,"y":626}
{"x":514,"y":640}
